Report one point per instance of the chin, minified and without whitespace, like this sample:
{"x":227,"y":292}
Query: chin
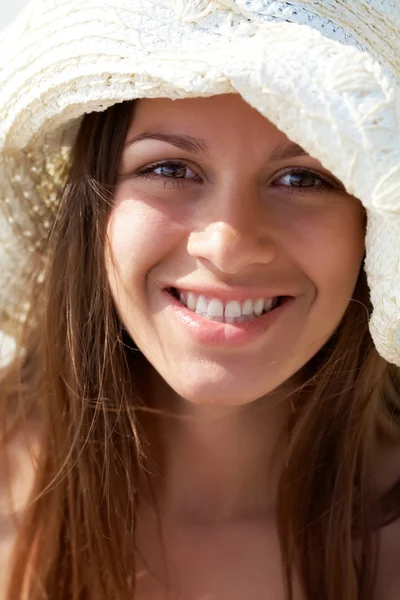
{"x":219,"y":393}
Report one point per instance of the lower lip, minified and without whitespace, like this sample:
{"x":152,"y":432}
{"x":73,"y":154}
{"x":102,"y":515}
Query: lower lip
{"x":224,"y":334}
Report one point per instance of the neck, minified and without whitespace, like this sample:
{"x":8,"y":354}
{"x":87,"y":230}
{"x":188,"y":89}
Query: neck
{"x":214,"y":464}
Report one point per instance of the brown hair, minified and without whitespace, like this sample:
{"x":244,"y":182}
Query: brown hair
{"x":78,"y":378}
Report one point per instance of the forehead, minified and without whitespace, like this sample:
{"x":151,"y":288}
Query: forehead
{"x":222,"y":121}
{"x":213,"y":109}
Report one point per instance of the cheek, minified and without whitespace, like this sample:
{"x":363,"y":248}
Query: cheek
{"x":138,"y":237}
{"x":331,"y":250}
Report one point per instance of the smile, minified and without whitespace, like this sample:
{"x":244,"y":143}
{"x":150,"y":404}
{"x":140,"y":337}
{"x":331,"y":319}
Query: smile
{"x":230,"y":311}
{"x":205,"y":317}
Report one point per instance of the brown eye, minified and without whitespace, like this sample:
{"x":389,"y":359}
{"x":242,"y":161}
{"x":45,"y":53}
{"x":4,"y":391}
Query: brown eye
{"x":172,"y":173}
{"x":167,"y":170}
{"x":174,"y":170}
{"x":302,"y":179}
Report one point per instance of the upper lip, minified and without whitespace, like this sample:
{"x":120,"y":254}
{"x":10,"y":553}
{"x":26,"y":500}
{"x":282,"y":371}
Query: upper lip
{"x":225,"y":294}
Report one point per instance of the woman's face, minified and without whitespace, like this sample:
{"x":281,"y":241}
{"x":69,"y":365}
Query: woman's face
{"x":217,"y":217}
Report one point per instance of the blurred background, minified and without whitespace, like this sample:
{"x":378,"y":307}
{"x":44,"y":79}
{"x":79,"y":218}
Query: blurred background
{"x":9,"y":10}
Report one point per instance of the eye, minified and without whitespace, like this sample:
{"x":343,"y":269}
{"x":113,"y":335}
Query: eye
{"x":174,"y":172}
{"x":303,"y":180}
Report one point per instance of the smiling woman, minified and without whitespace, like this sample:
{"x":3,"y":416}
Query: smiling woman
{"x":239,"y":222}
{"x":201,"y":282}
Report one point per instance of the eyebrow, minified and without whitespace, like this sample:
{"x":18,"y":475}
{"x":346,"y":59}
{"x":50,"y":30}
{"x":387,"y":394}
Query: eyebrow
{"x":184,"y":142}
{"x":194,"y":144}
{"x":285,"y":151}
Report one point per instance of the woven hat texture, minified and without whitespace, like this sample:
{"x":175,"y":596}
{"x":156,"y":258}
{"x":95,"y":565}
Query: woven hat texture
{"x":325,"y":72}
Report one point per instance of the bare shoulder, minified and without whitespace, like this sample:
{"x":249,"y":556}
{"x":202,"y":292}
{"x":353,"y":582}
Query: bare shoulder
{"x":17,"y":472}
{"x":388,"y":582}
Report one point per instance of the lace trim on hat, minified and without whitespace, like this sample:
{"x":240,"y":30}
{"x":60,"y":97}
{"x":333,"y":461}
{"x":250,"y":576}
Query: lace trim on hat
{"x":285,"y":11}
{"x":196,"y":10}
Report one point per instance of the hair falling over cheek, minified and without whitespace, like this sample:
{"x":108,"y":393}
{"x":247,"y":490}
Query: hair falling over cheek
{"x":85,"y":385}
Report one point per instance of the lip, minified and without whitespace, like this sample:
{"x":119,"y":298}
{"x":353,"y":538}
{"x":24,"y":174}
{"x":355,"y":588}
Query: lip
{"x":213,"y":333}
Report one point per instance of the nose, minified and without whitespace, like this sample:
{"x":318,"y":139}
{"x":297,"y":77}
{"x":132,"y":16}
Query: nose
{"x":232,"y":234}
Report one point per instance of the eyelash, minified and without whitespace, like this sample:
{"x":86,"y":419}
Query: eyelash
{"x":180,"y":182}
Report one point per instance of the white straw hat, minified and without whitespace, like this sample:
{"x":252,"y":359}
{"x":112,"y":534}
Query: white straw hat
{"x":326,"y":72}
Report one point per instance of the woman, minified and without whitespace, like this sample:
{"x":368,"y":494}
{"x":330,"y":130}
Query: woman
{"x":206,"y":411}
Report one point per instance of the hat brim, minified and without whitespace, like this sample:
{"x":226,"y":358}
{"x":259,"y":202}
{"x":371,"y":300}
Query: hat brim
{"x":334,"y":100}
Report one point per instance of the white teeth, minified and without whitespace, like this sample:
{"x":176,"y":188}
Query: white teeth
{"x":247,"y":307}
{"x":258,"y":306}
{"x":268,"y":305}
{"x":216,"y":308}
{"x":191,"y":301}
{"x":202,"y":305}
{"x":233,"y":309}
